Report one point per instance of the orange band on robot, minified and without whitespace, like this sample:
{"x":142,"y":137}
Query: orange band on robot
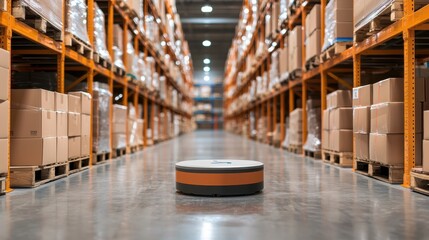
{"x":219,"y":179}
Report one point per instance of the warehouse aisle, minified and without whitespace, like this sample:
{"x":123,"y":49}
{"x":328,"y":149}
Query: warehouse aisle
{"x":135,"y":198}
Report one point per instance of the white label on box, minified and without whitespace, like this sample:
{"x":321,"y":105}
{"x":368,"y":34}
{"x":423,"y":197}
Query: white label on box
{"x":355,"y":94}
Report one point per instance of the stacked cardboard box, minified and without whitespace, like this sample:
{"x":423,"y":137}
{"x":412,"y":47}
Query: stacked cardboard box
{"x":338,"y":122}
{"x":119,"y":126}
{"x":135,"y":127}
{"x":33,"y":128}
{"x":84,"y":101}
{"x":386,"y":140}
{"x":295,"y":49}
{"x":338,"y":22}
{"x":284,"y":61}
{"x":312,"y":33}
{"x":4,"y":109}
{"x":313,"y":142}
{"x":61,"y":108}
{"x":362,"y":101}
{"x":101,"y":118}
{"x":295,"y":127}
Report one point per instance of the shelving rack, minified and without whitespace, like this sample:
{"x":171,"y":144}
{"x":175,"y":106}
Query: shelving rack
{"x":23,"y":41}
{"x":401,"y":41}
{"x":215,"y":115}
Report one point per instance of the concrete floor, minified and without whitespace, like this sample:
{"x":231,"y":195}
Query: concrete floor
{"x":135,"y":198}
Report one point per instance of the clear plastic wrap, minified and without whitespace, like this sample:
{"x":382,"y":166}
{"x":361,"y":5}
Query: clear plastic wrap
{"x":274,"y":71}
{"x":295,"y":127}
{"x":331,"y":23}
{"x":286,"y":141}
{"x":313,"y":142}
{"x":77,"y":14}
{"x":100,"y":33}
{"x":49,"y":10}
{"x":101,"y":115}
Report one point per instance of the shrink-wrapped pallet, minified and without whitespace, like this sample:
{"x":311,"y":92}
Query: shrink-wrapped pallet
{"x":77,"y":19}
{"x":49,"y":10}
{"x":100,"y":33}
{"x":101,"y":115}
{"x":313,"y":142}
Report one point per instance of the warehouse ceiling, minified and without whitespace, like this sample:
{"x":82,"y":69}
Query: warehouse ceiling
{"x":217,"y":27}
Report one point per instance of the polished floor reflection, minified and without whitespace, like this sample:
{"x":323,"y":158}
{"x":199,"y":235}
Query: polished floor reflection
{"x":135,"y":198}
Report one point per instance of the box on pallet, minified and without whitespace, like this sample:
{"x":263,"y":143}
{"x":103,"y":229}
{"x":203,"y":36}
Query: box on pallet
{"x":84,"y":101}
{"x":74,"y":124}
{"x":295,"y":49}
{"x":74,"y":104}
{"x":339,"y":98}
{"x":387,"y":148}
{"x":101,"y":118}
{"x":74,"y":147}
{"x":33,"y":151}
{"x":362,"y":96}
{"x":338,"y":25}
{"x":361,"y":119}
{"x":362,"y":146}
{"x":62,"y":149}
{"x":33,"y":99}
{"x":341,"y":118}
{"x":4,"y":83}
{"x":61,"y":102}
{"x":387,"y":117}
{"x":341,"y":140}
{"x":389,"y":90}
{"x":4,"y":150}
{"x":4,"y":113}
{"x":26,"y":123}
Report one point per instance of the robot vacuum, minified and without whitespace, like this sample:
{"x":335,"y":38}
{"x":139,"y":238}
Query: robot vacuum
{"x":219,"y":177}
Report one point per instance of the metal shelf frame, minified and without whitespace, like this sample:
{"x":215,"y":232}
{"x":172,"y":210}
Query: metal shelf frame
{"x":405,"y":28}
{"x":132,"y":93}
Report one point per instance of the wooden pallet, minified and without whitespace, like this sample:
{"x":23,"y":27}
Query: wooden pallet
{"x":137,"y":148}
{"x":101,"y":61}
{"x":34,"y":176}
{"x":78,"y":164}
{"x":420,"y":181}
{"x":75,"y":43}
{"x":119,"y":152}
{"x":313,"y":154}
{"x":383,"y":172}
{"x":384,"y":18}
{"x":297,"y":149}
{"x":33,"y":18}
{"x":118,"y":71}
{"x":341,"y":159}
{"x":3,"y":183}
{"x":334,"y":50}
{"x":100,"y":158}
{"x":312,"y":63}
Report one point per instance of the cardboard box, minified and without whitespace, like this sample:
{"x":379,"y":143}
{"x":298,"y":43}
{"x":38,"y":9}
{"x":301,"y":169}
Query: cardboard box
{"x":362,"y":146}
{"x":4,"y":119}
{"x":426,"y":155}
{"x":33,"y":99}
{"x":62,"y":124}
{"x":339,"y":98}
{"x":313,"y":45}
{"x":325,"y":140}
{"x":85,"y":101}
{"x":387,"y":118}
{"x":84,"y":145}
{"x":343,"y":30}
{"x":347,"y":4}
{"x":342,"y":15}
{"x":4,"y":83}
{"x":119,"y":127}
{"x":33,"y":151}
{"x":74,"y":147}
{"x":119,"y":113}
{"x":341,"y":140}
{"x":119,"y":141}
{"x":74,"y":104}
{"x":4,"y":58}
{"x":61,"y":102}
{"x":389,"y":90}
{"x":361,"y":119}
{"x":387,"y":148}
{"x":326,"y":119}
{"x":313,"y":21}
{"x":26,"y":123}
{"x":74,"y":124}
{"x":86,"y":124}
{"x":341,"y":118}
{"x":4,"y":154}
{"x":295,"y":48}
{"x":62,"y":149}
{"x":362,"y":96}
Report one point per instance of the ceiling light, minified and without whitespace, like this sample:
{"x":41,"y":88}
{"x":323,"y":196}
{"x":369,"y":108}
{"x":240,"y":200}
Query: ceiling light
{"x":206,"y":9}
{"x":206,"y":69}
{"x":206,"y":78}
{"x":207,"y":43}
{"x":206,"y":61}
